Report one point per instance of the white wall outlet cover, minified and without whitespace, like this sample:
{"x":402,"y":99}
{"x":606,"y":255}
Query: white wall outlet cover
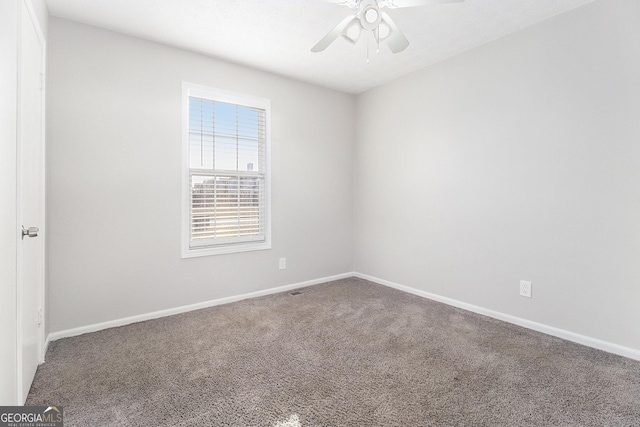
{"x":525,"y":288}
{"x":282,"y":263}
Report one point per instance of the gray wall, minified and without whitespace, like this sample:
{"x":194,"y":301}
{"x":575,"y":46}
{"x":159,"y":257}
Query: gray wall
{"x":114,"y":179}
{"x":516,"y":160}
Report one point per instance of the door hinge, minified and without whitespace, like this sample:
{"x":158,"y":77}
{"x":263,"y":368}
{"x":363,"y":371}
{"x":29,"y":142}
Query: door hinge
{"x":41,"y":81}
{"x":40,"y":316}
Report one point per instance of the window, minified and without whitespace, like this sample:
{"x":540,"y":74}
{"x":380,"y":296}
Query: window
{"x":226,"y":172}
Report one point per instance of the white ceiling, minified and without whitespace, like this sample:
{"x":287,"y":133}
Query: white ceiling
{"x":277,"y":35}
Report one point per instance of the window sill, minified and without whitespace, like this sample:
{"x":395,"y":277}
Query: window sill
{"x":229,"y":249}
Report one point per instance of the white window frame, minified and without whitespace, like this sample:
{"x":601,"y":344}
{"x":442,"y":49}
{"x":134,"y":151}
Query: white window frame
{"x":191,"y":89}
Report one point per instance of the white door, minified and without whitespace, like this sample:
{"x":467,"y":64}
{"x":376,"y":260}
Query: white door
{"x":30,"y":198}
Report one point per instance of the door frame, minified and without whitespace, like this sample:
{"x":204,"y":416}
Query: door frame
{"x":28,"y":6}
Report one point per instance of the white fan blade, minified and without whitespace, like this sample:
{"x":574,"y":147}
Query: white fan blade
{"x":350,"y":3}
{"x":412,"y":3}
{"x":333,"y":34}
{"x":396,"y":41}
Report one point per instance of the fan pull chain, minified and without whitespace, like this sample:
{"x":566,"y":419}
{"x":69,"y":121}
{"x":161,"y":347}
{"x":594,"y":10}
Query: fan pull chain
{"x":368,"y":50}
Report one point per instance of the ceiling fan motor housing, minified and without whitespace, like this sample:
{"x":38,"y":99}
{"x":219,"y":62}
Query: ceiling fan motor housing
{"x":369,"y":15}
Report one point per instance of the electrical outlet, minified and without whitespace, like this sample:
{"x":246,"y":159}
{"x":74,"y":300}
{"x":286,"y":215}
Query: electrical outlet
{"x":282,"y":263}
{"x":525,"y":288}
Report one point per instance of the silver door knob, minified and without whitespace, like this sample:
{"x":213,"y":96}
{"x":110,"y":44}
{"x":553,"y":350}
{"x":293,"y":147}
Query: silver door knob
{"x":31,"y":231}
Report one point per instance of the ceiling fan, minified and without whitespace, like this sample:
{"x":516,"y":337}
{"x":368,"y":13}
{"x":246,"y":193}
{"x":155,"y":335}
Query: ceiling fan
{"x":369,"y":17}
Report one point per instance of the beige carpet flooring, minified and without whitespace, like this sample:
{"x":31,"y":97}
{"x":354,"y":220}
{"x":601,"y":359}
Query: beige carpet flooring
{"x":344,"y":353}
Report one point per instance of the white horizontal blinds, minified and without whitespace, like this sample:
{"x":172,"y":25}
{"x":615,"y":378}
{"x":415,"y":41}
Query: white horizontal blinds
{"x":227,"y":172}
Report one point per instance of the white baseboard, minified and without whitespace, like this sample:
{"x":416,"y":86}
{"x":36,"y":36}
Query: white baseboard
{"x":45,"y":348}
{"x":539,"y":327}
{"x":185,"y":308}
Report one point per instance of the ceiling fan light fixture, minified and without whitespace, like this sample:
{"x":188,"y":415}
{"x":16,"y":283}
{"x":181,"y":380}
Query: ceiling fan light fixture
{"x":352,"y":32}
{"x":370,"y":16}
{"x":383,"y":32}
